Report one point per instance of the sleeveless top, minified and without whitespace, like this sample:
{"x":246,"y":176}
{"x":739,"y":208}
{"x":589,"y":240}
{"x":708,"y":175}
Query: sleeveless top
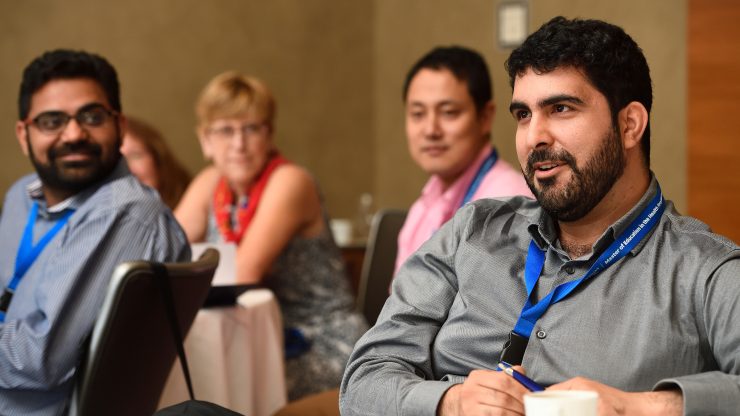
{"x":309,"y":281}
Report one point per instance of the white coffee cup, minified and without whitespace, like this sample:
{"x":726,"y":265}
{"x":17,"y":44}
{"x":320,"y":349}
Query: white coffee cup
{"x":561,"y":403}
{"x":341,"y":229}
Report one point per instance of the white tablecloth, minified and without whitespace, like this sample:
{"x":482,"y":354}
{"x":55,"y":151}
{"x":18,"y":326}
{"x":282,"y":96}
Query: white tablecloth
{"x":235,"y":356}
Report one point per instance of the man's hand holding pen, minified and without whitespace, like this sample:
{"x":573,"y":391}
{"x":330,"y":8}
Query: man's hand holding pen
{"x":488,"y":392}
{"x":485,"y":392}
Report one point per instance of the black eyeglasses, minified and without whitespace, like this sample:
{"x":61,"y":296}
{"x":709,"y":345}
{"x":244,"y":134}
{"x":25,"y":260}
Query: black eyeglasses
{"x":53,"y":122}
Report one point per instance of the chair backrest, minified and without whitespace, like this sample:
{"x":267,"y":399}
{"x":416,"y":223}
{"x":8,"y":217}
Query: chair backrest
{"x":379,"y":262}
{"x":132,"y":349}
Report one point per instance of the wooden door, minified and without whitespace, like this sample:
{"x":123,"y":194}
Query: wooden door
{"x":714,"y":114}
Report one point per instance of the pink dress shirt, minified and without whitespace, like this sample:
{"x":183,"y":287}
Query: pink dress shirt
{"x":435,"y":206}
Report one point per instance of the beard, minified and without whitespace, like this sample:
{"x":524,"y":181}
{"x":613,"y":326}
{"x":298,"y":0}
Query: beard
{"x":587,"y":186}
{"x":74,"y":176}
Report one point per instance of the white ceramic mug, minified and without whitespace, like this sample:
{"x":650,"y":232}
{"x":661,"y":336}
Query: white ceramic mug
{"x":342,"y":231}
{"x":561,"y":403}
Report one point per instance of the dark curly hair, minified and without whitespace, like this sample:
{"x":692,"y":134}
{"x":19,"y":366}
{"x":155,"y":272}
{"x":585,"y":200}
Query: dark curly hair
{"x":609,"y":58}
{"x":466,"y":64}
{"x":67,"y":64}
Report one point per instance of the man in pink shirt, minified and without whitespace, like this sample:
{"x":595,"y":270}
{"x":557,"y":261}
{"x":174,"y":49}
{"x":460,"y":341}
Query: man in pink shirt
{"x":449,"y":111}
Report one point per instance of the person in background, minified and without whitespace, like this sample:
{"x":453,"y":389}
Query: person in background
{"x":66,"y":227}
{"x":599,"y":284}
{"x":449,"y":111}
{"x":253,"y":196}
{"x":152,"y":162}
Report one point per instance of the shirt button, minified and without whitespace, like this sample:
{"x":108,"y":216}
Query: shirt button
{"x":570,"y":269}
{"x":541,"y":334}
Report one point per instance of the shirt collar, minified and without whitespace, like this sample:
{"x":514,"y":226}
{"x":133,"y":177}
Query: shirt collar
{"x":543,"y":228}
{"x":454,"y":194}
{"x":35,"y":192}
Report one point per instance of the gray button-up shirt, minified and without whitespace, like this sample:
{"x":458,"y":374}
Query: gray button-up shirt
{"x":666,"y":315}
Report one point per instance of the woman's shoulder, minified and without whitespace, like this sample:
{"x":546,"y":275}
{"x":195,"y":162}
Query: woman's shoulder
{"x":204,"y":182}
{"x":192,"y":210}
{"x":293,"y":189}
{"x":292,"y":171}
{"x":208,"y":176}
{"x":293,"y":177}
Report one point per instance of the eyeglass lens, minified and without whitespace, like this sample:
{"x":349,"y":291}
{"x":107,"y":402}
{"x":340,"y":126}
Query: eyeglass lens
{"x":93,"y":115}
{"x":228,"y":132}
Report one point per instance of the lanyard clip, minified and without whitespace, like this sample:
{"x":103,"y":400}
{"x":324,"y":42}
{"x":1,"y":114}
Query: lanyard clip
{"x":5,"y":299}
{"x":514,"y":348}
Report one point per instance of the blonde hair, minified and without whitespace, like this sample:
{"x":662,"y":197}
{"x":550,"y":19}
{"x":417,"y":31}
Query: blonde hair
{"x":232,"y":94}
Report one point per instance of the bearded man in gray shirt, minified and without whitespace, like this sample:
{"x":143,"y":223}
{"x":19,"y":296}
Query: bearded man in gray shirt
{"x":67,"y":226}
{"x":598,"y":285}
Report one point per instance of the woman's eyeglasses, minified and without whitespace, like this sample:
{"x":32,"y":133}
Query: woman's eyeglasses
{"x":229,"y":132}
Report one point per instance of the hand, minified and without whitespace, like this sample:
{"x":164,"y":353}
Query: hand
{"x":484,"y":392}
{"x":617,"y":402}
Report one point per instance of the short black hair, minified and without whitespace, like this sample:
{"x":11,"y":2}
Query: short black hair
{"x":608,"y":57}
{"x":466,"y":64}
{"x":67,"y":64}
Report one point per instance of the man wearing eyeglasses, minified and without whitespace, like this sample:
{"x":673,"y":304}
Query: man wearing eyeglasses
{"x":66,"y":227}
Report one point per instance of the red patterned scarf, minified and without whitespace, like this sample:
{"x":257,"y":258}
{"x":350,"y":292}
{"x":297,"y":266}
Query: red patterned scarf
{"x":223,"y":201}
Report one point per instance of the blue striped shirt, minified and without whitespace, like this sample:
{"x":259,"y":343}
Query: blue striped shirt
{"x":57,"y":301}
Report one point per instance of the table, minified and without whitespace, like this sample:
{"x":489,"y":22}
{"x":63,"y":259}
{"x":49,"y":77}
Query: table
{"x":235,"y":357}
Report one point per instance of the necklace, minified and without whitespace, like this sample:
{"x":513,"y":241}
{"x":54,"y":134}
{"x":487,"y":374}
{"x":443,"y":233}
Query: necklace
{"x":223,"y":203}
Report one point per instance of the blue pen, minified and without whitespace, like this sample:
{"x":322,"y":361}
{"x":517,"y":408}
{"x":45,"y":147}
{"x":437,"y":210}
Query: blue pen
{"x":525,"y":381}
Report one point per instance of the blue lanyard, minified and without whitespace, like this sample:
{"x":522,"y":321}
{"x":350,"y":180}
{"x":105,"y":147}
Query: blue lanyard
{"x":28,"y":252}
{"x":622,"y":245}
{"x":482,"y":171}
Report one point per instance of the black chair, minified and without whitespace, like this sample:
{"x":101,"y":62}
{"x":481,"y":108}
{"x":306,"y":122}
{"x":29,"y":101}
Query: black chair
{"x":131,"y":350}
{"x":379,"y":263}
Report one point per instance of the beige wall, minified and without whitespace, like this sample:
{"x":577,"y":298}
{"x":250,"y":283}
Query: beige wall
{"x":316,"y":55}
{"x":336,"y":68}
{"x":404,"y":30}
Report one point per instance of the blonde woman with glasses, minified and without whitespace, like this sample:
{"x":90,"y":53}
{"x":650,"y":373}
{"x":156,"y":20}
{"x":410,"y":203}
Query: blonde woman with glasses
{"x":271,"y":208}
